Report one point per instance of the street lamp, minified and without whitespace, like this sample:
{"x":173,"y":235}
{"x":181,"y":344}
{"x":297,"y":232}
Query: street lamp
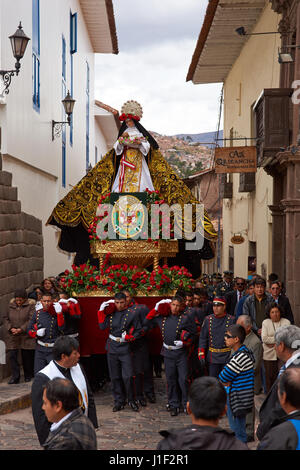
{"x":19,"y":42}
{"x":68,"y":103}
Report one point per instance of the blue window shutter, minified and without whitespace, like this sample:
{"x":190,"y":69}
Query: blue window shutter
{"x":73,"y":33}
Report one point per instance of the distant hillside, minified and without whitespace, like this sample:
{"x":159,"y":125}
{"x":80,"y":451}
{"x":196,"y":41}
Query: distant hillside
{"x":203,"y":138}
{"x":185,"y":156}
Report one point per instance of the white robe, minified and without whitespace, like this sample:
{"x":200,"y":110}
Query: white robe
{"x":145,"y":181}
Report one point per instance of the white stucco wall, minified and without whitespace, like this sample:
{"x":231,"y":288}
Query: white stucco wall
{"x":28,"y":151}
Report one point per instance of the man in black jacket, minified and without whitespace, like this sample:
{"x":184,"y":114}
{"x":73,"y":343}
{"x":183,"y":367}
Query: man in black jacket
{"x":206,"y":405}
{"x":286,"y":435}
{"x":64,"y":365}
{"x":71,"y":429}
{"x":233,"y":297}
{"x":287,"y":346}
{"x":282,"y":300}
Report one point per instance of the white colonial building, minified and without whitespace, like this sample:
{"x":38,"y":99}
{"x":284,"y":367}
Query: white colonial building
{"x":64,"y":36}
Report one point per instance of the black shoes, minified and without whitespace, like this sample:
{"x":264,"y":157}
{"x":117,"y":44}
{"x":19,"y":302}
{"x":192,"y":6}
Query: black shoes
{"x":151,"y":398}
{"x":142,"y":402}
{"x":118,"y":408}
{"x":173,"y":411}
{"x":13,"y":381}
{"x":133,"y":405}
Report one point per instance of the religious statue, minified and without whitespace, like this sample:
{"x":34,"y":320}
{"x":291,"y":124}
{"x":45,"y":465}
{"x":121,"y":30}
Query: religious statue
{"x":134,"y":164}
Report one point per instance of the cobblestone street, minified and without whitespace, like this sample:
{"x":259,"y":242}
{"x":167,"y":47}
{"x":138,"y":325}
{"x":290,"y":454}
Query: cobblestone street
{"x":124,"y":430}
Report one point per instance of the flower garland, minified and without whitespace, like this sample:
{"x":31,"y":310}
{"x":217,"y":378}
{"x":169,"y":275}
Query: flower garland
{"x":113,"y":278}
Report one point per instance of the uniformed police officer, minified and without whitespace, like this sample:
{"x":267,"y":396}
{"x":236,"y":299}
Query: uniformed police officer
{"x":124,"y":327}
{"x":227,"y":285}
{"x":143,"y":372}
{"x":212,"y":347}
{"x":177,"y":330}
{"x":46,"y":325}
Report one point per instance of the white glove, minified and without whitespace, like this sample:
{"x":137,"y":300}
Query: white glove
{"x":164,"y":301}
{"x":41,"y":332}
{"x":72,"y":300}
{"x":124,"y":334}
{"x":57,"y":307}
{"x":105,"y":304}
{"x":63,"y":301}
{"x":178,"y":343}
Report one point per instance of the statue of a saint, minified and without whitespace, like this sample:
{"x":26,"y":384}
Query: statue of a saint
{"x":134,"y":164}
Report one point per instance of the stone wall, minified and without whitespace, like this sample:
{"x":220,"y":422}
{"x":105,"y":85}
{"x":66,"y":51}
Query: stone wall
{"x":21,"y":247}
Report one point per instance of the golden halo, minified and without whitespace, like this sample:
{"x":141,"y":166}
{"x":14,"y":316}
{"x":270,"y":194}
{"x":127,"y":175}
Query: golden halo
{"x":132,"y":107}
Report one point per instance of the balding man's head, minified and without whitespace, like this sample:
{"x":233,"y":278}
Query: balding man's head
{"x":289,"y":389}
{"x":246,"y":322}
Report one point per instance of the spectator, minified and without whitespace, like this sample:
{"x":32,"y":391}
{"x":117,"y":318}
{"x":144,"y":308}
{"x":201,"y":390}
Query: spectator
{"x":287,"y":347}
{"x":249,"y":290}
{"x":48,"y":286}
{"x":238,"y":377}
{"x":16,"y":321}
{"x":206,"y":405}
{"x":286,"y":435}
{"x":71,"y":429}
{"x":233,"y":298}
{"x":64,"y":365}
{"x":282,"y":300}
{"x":255,"y":305}
{"x":36,"y":294}
{"x":272,"y":278}
{"x":273,"y":321}
{"x":253,"y":343}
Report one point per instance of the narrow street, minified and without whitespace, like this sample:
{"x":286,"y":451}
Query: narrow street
{"x":125,"y":430}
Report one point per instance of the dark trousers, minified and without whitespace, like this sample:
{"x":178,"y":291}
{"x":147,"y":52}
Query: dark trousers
{"x":142,"y":371}
{"x":271,"y":372}
{"x":121,"y":376}
{"x":42,"y":357}
{"x":215,"y":369}
{"x":96,"y":370}
{"x":176,"y":370}
{"x":27,"y":361}
{"x":156,"y":363}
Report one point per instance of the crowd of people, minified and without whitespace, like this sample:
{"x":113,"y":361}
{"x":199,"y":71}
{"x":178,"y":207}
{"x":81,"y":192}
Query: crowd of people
{"x":223,"y":342}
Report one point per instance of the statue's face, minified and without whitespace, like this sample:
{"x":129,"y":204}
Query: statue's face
{"x":129,"y":123}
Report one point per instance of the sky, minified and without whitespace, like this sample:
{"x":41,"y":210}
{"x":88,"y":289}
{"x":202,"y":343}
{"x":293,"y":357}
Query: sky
{"x":157,"y":39}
